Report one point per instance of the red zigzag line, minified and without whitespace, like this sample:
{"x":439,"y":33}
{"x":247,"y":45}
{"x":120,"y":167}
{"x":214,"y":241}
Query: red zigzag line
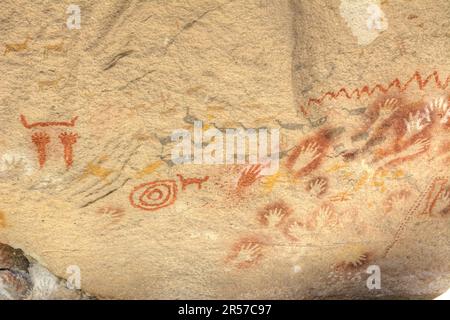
{"x":422,"y":83}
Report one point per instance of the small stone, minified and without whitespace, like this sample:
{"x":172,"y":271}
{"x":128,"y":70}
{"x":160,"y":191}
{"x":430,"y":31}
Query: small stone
{"x":13,"y":285}
{"x":13,"y":259}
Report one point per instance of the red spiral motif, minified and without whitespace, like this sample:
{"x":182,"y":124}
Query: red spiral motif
{"x":154,"y":195}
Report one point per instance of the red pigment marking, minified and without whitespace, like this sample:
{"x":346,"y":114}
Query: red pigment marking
{"x":427,"y":194}
{"x":2,"y":220}
{"x":374,"y":111}
{"x":287,"y":226}
{"x":402,"y":159}
{"x":246,"y":252}
{"x":369,"y":91}
{"x":307,"y":224}
{"x":395,"y":197}
{"x":341,"y":196}
{"x":187,"y":181}
{"x":318,"y":181}
{"x":143,"y":196}
{"x":331,"y":219}
{"x":116,"y":213}
{"x":359,"y":262}
{"x":249,"y":176}
{"x":444,"y":148}
{"x":40,"y":140}
{"x":70,"y":123}
{"x":68,"y":140}
{"x":303,"y":110}
{"x":278,"y":206}
{"x":398,"y":120}
{"x":155,"y":195}
{"x":398,"y":141}
{"x":436,"y":190}
{"x":322,"y":143}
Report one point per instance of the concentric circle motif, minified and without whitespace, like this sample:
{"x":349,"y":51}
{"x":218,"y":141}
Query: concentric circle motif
{"x":154,"y":195}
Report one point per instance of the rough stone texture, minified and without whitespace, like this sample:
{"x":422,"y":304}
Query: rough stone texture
{"x":24,"y":278}
{"x":363,"y":178}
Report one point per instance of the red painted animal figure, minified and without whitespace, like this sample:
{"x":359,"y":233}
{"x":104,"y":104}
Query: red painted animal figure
{"x":187,"y":181}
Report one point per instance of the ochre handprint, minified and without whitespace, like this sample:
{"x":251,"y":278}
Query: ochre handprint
{"x":417,"y":147}
{"x":274,"y":217}
{"x":274,"y":213}
{"x":317,"y":186}
{"x":324,"y":217}
{"x":296,"y":230}
{"x":440,"y":107}
{"x":387,"y":109}
{"x":308,"y":153}
{"x":395,"y":203}
{"x":249,"y":176}
{"x":247,"y":254}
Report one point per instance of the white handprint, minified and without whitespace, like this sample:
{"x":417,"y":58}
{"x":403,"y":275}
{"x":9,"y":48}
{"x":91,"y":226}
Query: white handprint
{"x":359,"y":261}
{"x":14,"y":164}
{"x":417,"y":147}
{"x":441,"y":105}
{"x":416,"y":122}
{"x":45,"y":286}
{"x":324,"y":217}
{"x":317,"y":186}
{"x":248,"y":253}
{"x":395,"y":203}
{"x":296,"y":230}
{"x":387,"y":109}
{"x":274,"y":217}
{"x":308,"y":154}
{"x":13,"y":167}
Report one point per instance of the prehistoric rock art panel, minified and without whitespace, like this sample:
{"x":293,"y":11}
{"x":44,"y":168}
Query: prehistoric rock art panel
{"x":154,"y":195}
{"x":363,"y":151}
{"x":41,"y":139}
{"x":158,"y":194}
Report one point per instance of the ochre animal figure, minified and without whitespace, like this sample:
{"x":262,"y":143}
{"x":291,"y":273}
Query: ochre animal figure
{"x":16,"y":47}
{"x":187,"y":181}
{"x":57,"y":47}
{"x":48,"y":83}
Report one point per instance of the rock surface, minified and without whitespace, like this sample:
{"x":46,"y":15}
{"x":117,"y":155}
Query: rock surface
{"x":359,"y":91}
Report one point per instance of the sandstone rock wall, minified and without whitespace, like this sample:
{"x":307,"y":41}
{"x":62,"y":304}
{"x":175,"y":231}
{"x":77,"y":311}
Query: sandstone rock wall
{"x":357,"y":89}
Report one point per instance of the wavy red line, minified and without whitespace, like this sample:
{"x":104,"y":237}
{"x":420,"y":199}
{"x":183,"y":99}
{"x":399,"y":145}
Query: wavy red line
{"x":396,"y":83}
